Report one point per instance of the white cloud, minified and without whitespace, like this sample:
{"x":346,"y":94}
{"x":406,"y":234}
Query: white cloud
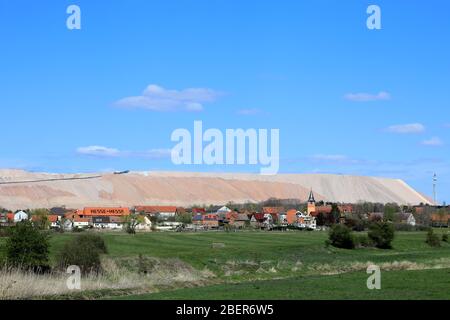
{"x":105,"y":152}
{"x":98,"y":151}
{"x":156,"y":98}
{"x":433,"y":142}
{"x":407,"y":128}
{"x":366,"y":97}
{"x":249,"y":112}
{"x":333,"y":159}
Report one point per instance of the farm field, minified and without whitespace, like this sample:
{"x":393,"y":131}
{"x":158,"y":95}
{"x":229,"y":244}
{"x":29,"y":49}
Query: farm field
{"x":274,"y":265}
{"x":404,"y":285}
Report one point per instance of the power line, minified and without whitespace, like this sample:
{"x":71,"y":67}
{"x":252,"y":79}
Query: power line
{"x":49,"y":180}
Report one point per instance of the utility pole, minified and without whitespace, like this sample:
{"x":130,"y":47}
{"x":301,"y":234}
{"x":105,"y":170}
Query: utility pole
{"x":434,"y":189}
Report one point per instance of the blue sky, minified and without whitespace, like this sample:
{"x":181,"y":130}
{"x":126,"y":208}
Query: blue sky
{"x":346,"y":99}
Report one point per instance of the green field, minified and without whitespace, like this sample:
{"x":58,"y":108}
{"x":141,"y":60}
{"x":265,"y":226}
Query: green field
{"x":404,"y":285}
{"x":289,"y":265}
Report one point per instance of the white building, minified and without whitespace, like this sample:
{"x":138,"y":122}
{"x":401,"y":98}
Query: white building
{"x":146,"y":225}
{"x":306,"y":221}
{"x":20,"y":216}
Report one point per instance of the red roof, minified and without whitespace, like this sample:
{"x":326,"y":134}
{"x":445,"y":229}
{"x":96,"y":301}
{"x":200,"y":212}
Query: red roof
{"x":155,"y":209}
{"x":259,"y":216}
{"x":50,"y":218}
{"x":10,"y":216}
{"x":323,"y":209}
{"x":198,"y":210}
{"x":438,"y":218}
{"x":99,"y":212}
{"x":273,"y":210}
{"x":346,"y":208}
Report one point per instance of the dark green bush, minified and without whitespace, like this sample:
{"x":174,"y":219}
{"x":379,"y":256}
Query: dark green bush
{"x":382,"y":234}
{"x":4,"y":231}
{"x":445,"y":237}
{"x":404,"y":227}
{"x":77,"y":229}
{"x":363,"y":241}
{"x":433,"y":239}
{"x":27,"y":248}
{"x":83,"y":251}
{"x":340,"y":236}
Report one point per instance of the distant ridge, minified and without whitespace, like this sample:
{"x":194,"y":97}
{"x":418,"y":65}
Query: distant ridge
{"x":44,"y":190}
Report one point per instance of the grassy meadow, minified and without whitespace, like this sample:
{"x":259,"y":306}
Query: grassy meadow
{"x":264,"y":265}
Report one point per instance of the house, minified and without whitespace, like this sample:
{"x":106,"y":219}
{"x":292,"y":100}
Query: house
{"x":4,"y":219}
{"x":115,"y":223}
{"x":273,"y":211}
{"x":291,"y":216}
{"x":53,"y":220}
{"x":407,"y":218}
{"x":59,"y":211}
{"x":268,"y":221}
{"x":67,"y":224}
{"x":306,"y":221}
{"x":210,"y":220}
{"x":223,"y":209}
{"x":101,"y":222}
{"x":240,"y":220}
{"x":282,"y":219}
{"x":10,"y":217}
{"x":224,"y":216}
{"x":81,"y":222}
{"x":145,"y":225}
{"x":164,"y":212}
{"x":440,"y":220}
{"x":197,"y":219}
{"x":345,"y":209}
{"x":102,"y":212}
{"x":257,"y":220}
{"x":20,"y":216}
{"x":200,"y":211}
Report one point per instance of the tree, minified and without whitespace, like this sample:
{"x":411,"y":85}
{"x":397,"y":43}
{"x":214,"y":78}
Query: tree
{"x":41,"y":221}
{"x":340,"y":236}
{"x":433,"y":239}
{"x":382,"y":234}
{"x":27,"y":247}
{"x":185,"y":218}
{"x":335,"y":212}
{"x":442,"y":214}
{"x":321,"y":219}
{"x":131,"y":222}
{"x":83,"y":251}
{"x":389,"y":213}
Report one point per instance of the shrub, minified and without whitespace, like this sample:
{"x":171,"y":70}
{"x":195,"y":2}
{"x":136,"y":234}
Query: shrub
{"x":340,"y":236}
{"x":77,"y":229}
{"x":363,"y":241}
{"x":404,"y":227}
{"x":4,"y":231}
{"x":433,"y":239}
{"x":83,"y":251}
{"x":27,"y":247}
{"x":445,"y":237}
{"x":382,"y":234}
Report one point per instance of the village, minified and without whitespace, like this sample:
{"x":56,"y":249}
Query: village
{"x":311,"y":216}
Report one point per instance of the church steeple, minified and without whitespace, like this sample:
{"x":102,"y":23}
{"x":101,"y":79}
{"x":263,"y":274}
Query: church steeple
{"x":311,"y":197}
{"x":311,"y":203}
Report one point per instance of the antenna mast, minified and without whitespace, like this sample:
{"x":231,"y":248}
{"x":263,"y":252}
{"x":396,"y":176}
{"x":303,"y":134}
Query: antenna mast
{"x":434,"y":189}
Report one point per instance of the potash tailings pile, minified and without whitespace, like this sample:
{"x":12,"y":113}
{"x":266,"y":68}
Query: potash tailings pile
{"x":22,"y":190}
